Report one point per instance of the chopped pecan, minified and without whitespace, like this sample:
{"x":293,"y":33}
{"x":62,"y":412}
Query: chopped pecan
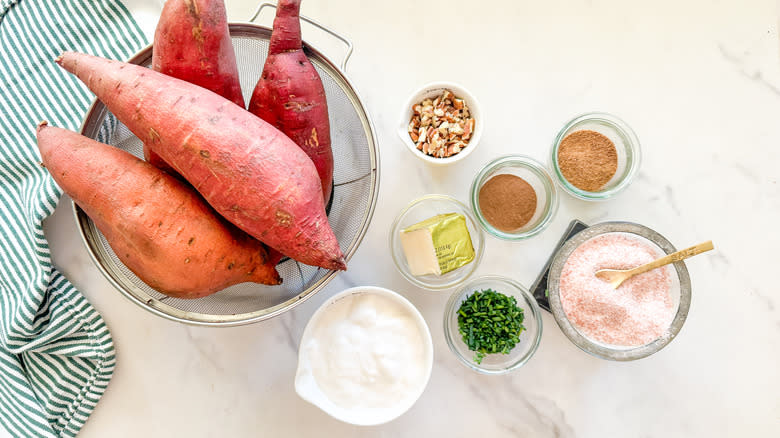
{"x":441,"y":126}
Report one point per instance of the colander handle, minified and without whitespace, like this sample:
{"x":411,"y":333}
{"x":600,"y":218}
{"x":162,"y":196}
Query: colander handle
{"x":347,"y":42}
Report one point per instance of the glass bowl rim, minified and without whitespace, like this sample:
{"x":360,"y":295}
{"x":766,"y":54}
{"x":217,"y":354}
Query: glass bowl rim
{"x":618,"y":124}
{"x":449,"y":309}
{"x":478,"y":252}
{"x":601,"y":350}
{"x":539,"y":170}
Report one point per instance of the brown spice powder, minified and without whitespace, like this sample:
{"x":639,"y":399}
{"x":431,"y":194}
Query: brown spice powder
{"x":587,"y":159}
{"x":507,"y":201}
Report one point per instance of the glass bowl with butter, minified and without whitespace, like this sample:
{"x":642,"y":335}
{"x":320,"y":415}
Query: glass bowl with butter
{"x":436,"y":242}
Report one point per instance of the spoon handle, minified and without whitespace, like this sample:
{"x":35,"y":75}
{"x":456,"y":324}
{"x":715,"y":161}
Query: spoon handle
{"x":675,"y":257}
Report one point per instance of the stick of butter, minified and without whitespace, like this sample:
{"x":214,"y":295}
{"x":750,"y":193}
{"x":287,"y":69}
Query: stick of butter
{"x":437,"y":245}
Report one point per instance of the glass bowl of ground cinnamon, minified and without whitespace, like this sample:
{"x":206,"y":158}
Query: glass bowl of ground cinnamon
{"x":595,"y":156}
{"x":514,"y":197}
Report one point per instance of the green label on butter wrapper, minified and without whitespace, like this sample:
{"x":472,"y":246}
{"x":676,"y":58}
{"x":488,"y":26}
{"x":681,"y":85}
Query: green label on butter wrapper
{"x":451,"y":240}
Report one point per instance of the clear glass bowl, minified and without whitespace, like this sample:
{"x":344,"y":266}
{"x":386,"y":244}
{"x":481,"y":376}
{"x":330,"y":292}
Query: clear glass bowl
{"x":529,"y":338}
{"x":532,"y":172}
{"x":680,"y":291}
{"x":629,"y":154}
{"x":424,"y":208}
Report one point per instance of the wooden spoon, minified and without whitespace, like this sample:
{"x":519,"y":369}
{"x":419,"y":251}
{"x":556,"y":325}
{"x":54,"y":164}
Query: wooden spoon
{"x":617,"y":276}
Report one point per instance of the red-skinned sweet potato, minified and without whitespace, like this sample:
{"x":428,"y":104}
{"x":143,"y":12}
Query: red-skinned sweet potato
{"x":158,"y":227}
{"x":192,"y":43}
{"x":290,"y":95}
{"x":249,"y":171}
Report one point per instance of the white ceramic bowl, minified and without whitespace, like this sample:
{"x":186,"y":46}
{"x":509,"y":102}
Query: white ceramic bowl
{"x":432,"y":90}
{"x":306,"y":384}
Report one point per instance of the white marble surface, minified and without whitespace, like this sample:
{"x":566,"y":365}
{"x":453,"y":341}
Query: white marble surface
{"x":699,"y":81}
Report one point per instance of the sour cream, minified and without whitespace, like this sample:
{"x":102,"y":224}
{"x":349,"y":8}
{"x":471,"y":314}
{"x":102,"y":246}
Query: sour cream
{"x":365,"y":356}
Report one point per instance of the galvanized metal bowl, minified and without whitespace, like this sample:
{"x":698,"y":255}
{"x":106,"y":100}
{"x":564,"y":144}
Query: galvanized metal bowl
{"x":679,"y":290}
{"x":356,"y":185}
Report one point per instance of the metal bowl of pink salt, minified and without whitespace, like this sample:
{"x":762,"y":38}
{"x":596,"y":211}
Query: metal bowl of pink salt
{"x":633,"y":321}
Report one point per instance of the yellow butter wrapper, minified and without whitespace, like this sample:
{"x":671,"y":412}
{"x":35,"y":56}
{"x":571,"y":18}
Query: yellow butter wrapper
{"x":451,"y":240}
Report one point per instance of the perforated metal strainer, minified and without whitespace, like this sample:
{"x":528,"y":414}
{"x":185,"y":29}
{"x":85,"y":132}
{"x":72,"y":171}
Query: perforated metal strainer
{"x":356,"y":184}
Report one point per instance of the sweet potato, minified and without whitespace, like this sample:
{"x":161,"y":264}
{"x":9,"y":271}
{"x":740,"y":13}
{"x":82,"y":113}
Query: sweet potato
{"x":192,"y":43}
{"x":157,"y":226}
{"x":290,"y":95}
{"x":249,"y":171}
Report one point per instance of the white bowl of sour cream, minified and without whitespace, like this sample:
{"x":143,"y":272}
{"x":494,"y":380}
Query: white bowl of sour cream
{"x":365,"y":356}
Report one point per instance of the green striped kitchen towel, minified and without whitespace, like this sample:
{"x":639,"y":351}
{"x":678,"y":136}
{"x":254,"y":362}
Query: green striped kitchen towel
{"x":56,"y":354}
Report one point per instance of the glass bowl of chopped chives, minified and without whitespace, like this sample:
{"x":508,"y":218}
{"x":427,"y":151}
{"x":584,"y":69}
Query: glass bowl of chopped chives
{"x":492,"y":324}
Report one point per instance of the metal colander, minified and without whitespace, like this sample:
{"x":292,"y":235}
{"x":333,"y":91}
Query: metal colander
{"x":356,"y":184}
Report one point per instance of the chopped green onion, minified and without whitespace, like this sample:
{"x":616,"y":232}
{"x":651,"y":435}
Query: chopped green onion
{"x":490,"y":322}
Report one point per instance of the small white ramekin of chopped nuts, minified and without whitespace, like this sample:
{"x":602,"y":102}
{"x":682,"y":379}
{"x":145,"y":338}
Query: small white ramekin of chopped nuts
{"x":441,"y":123}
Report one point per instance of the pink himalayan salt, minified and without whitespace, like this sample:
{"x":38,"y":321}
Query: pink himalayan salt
{"x":637,"y":312}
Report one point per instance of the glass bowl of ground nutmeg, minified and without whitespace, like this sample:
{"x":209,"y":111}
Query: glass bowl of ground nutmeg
{"x":514,"y":197}
{"x":595,"y":156}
